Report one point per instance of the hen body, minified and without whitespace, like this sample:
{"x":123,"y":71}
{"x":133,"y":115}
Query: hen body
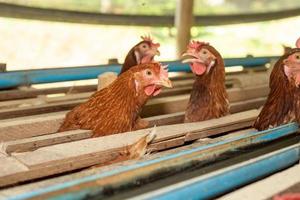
{"x":209,"y":98}
{"x":112,"y":110}
{"x":283,"y":102}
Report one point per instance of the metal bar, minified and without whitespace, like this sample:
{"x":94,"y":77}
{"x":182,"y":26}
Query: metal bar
{"x":224,"y":180}
{"x":26,"y":77}
{"x":84,"y":186}
{"x":57,"y":15}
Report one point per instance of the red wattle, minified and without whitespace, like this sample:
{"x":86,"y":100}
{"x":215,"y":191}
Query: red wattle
{"x":198,"y":68}
{"x":149,"y":90}
{"x":157,"y":91}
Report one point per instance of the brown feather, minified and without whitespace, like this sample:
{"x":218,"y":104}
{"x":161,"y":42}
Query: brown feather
{"x":130,"y":59}
{"x":282,"y":104}
{"x":209,"y":98}
{"x":112,"y":110}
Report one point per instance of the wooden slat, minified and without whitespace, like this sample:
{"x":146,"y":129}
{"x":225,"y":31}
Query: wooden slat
{"x":32,"y":92}
{"x":185,"y":88}
{"x":181,"y":86}
{"x":12,"y":129}
{"x":29,"y":127}
{"x":10,"y":165}
{"x":29,"y":144}
{"x":74,"y":155}
{"x":13,"y":191}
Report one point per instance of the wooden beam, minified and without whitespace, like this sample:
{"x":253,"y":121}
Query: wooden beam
{"x":183,"y":23}
{"x":32,"y":92}
{"x":14,"y":142}
{"x":58,"y":15}
{"x":26,"y":188}
{"x":79,"y":154}
{"x":24,"y":127}
{"x":156,"y":106}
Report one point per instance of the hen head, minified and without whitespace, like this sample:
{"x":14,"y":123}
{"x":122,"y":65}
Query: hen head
{"x":201,"y":59}
{"x":146,"y":50}
{"x":292,"y":66}
{"x":150,"y":78}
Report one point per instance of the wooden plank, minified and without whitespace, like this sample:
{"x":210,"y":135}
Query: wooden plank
{"x":32,"y":92}
{"x":181,"y":86}
{"x":10,"y":166}
{"x":42,"y":100}
{"x":186,"y":81}
{"x":30,"y":144}
{"x":74,"y":155}
{"x":9,"y":192}
{"x":11,"y":130}
{"x":29,"y":127}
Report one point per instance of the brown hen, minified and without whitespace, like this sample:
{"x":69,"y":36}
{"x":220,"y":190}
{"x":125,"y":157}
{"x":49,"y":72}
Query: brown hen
{"x":142,"y":53}
{"x":208,"y":98}
{"x":116,"y":108}
{"x":283,"y":102}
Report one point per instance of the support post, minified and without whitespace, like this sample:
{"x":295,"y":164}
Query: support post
{"x":183,"y":23}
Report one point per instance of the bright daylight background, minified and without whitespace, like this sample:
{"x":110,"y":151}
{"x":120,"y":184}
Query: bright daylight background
{"x":31,"y":44}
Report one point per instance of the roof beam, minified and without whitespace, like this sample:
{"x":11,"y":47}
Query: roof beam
{"x":56,"y":15}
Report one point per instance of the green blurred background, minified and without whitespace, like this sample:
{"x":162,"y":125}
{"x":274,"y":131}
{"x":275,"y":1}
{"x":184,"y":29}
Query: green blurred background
{"x":27,"y":44}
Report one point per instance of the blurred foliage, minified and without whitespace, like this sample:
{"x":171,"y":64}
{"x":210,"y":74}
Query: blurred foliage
{"x":161,"y":7}
{"x":64,"y":44}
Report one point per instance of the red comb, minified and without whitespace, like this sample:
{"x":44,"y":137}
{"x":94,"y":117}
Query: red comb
{"x":147,"y":38}
{"x":196,"y":44}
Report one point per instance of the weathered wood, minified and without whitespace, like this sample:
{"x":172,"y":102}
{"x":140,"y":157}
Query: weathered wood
{"x":30,"y":144}
{"x":43,"y":100}
{"x":11,"y":129}
{"x":32,"y":92}
{"x":182,"y":85}
{"x":10,"y":165}
{"x":2,"y":67}
{"x":28,"y":127}
{"x":91,"y":171}
{"x":183,"y":23}
{"x":75,"y":155}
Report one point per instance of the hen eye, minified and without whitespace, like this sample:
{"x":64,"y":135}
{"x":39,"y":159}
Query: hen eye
{"x":149,"y":73}
{"x":204,"y":52}
{"x":297,"y":57}
{"x":144,"y":46}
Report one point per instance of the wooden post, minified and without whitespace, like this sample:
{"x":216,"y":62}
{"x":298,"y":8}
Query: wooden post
{"x":183,"y":23}
{"x":2,"y":67}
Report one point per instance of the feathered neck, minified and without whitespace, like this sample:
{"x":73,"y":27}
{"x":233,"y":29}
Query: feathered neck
{"x":122,"y":93}
{"x":208,"y":97}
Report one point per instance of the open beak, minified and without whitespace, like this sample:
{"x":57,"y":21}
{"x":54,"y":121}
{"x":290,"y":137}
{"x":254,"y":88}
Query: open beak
{"x":189,"y":58}
{"x":157,"y":53}
{"x":165,"y":82}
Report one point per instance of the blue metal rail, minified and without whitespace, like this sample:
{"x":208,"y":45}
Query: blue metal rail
{"x":225,"y":180}
{"x":27,"y":77}
{"x":83,"y":187}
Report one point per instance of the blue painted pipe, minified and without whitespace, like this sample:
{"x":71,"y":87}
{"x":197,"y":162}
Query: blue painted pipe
{"x":225,"y":180}
{"x":263,"y":136}
{"x":27,"y":77}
